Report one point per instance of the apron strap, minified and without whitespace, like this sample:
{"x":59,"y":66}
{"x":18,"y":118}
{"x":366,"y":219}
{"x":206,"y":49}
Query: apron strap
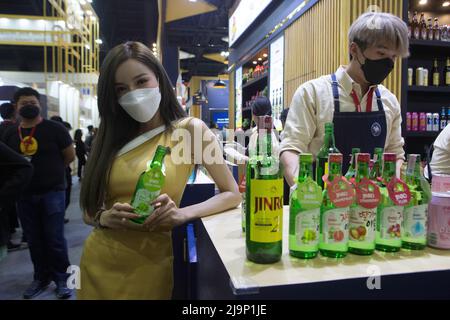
{"x":335,"y":87}
{"x":379,"y":103}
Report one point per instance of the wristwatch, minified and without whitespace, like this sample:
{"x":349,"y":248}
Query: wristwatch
{"x":97,"y":217}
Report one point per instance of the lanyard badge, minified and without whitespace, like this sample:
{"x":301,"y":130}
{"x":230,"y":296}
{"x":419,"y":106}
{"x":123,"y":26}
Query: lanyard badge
{"x":28,"y":144}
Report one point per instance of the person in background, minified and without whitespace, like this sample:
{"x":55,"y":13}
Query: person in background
{"x":15,"y":174}
{"x":9,"y":116}
{"x":89,"y":138}
{"x":440,"y":162}
{"x":49,"y":148}
{"x":122,"y":259}
{"x":262,"y":107}
{"x":365,"y":113}
{"x":80,"y":150}
{"x":68,"y":176}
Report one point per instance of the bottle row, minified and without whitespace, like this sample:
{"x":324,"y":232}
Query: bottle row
{"x":422,"y":76}
{"x":421,"y":30}
{"x":254,"y":73}
{"x":368,"y":209}
{"x":427,"y":122}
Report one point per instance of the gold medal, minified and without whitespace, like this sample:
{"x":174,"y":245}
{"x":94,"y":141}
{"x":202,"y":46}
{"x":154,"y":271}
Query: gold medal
{"x":28,"y":146}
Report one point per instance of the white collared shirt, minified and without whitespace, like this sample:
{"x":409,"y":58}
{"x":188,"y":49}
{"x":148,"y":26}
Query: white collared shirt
{"x":312,"y":106}
{"x":440,"y":163}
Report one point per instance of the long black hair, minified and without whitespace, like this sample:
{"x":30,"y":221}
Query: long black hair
{"x":116,"y":127}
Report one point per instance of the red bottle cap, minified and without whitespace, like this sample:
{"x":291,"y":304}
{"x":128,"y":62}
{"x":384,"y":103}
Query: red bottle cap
{"x":363,"y":157}
{"x":335,"y":157}
{"x":390,"y":157}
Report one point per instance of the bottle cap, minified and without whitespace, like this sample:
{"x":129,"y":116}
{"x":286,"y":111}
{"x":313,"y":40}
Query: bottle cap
{"x":390,"y":157}
{"x":306,"y":157}
{"x":363,"y":157}
{"x":335,"y":158}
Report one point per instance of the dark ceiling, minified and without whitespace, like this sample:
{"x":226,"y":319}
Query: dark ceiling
{"x":135,"y":20}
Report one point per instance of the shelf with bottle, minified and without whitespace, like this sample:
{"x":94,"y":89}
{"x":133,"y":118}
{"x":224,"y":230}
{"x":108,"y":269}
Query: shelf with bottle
{"x":420,"y":30}
{"x":252,"y":81}
{"x":435,"y":80}
{"x":426,"y":124}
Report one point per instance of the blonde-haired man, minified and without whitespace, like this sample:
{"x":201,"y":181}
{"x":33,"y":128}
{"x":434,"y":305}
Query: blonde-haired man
{"x":365,"y":114}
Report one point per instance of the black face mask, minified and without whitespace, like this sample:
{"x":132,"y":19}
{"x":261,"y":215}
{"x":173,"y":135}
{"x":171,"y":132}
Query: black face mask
{"x":29,"y":111}
{"x":375,"y":71}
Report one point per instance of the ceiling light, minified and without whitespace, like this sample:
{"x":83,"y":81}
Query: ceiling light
{"x":446,"y":4}
{"x":423,"y":2}
{"x":154,"y":44}
{"x":87,"y":46}
{"x":82,"y":2}
{"x":98,"y":41}
{"x":259,"y":59}
{"x":89,"y":12}
{"x":219,"y":84}
{"x":254,"y":62}
{"x":192,"y":0}
{"x":90,"y":1}
{"x":265,"y":55}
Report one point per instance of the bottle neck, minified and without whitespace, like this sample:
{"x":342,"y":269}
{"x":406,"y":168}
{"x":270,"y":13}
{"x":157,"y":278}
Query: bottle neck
{"x":363,"y":171}
{"x":305,"y":171}
{"x":335,"y":170}
{"x":158,"y":159}
{"x":388,"y":170}
{"x":329,"y":139}
{"x":264,"y":145}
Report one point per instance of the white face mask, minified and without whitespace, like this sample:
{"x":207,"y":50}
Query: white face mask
{"x":141,"y":104}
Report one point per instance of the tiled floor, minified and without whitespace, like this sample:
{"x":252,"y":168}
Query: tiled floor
{"x":16,"y":270}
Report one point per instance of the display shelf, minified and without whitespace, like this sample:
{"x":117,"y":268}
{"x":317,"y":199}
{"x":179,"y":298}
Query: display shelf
{"x":429,"y":43}
{"x":431,"y":89}
{"x":431,"y":134}
{"x":254,"y":81}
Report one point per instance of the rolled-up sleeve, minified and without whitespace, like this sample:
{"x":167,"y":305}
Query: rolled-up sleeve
{"x":301,"y":121}
{"x":394,"y":139}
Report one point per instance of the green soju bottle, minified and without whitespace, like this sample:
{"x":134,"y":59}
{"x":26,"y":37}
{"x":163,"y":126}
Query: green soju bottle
{"x":416,"y":212}
{"x":363,"y":213}
{"x":264,"y":199}
{"x":335,"y":210}
{"x":375,"y":173}
{"x":304,"y":212}
{"x":389,"y":213}
{"x":351,"y":172}
{"x":149,"y":185}
{"x":322,"y":156}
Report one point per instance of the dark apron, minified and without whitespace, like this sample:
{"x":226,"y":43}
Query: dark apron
{"x":364,"y":130}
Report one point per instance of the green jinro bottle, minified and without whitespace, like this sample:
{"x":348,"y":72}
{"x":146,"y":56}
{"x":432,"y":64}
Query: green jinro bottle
{"x":149,"y":185}
{"x":335,"y":211}
{"x":322,"y":156}
{"x":304,"y":212}
{"x":363,"y":213}
{"x":351,"y":172}
{"x":264,"y":199}
{"x":415,"y":215}
{"x":389,"y":214}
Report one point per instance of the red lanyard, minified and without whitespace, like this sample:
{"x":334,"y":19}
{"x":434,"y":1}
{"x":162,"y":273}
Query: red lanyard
{"x":358,"y":103}
{"x":29,"y":139}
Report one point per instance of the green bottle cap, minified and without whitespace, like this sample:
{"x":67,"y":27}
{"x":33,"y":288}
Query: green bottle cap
{"x":356,"y":150}
{"x":306,"y":157}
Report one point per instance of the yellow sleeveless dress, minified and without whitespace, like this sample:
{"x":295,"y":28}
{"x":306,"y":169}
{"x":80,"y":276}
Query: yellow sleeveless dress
{"x":126,"y":264}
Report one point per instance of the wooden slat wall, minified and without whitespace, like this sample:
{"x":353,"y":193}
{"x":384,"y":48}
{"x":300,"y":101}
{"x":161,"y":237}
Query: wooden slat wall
{"x":316,"y":44}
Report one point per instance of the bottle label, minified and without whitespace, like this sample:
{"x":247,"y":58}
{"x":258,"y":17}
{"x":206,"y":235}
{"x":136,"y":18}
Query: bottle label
{"x":415,"y":221}
{"x":399,"y":192}
{"x":436,"y":79}
{"x":307,"y":227}
{"x":424,"y":34}
{"x":243,"y":211}
{"x":367,"y":194}
{"x":340,"y":191}
{"x":335,"y":225}
{"x":142,"y":201}
{"x":266,"y":210}
{"x":309,"y":194}
{"x":416,"y":33}
{"x":391,"y":221}
{"x":362,"y":224}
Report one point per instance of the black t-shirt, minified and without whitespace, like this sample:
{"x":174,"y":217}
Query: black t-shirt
{"x":48,"y":161}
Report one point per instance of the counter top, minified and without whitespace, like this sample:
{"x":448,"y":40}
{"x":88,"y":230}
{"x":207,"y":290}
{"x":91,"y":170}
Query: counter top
{"x":225,"y":233}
